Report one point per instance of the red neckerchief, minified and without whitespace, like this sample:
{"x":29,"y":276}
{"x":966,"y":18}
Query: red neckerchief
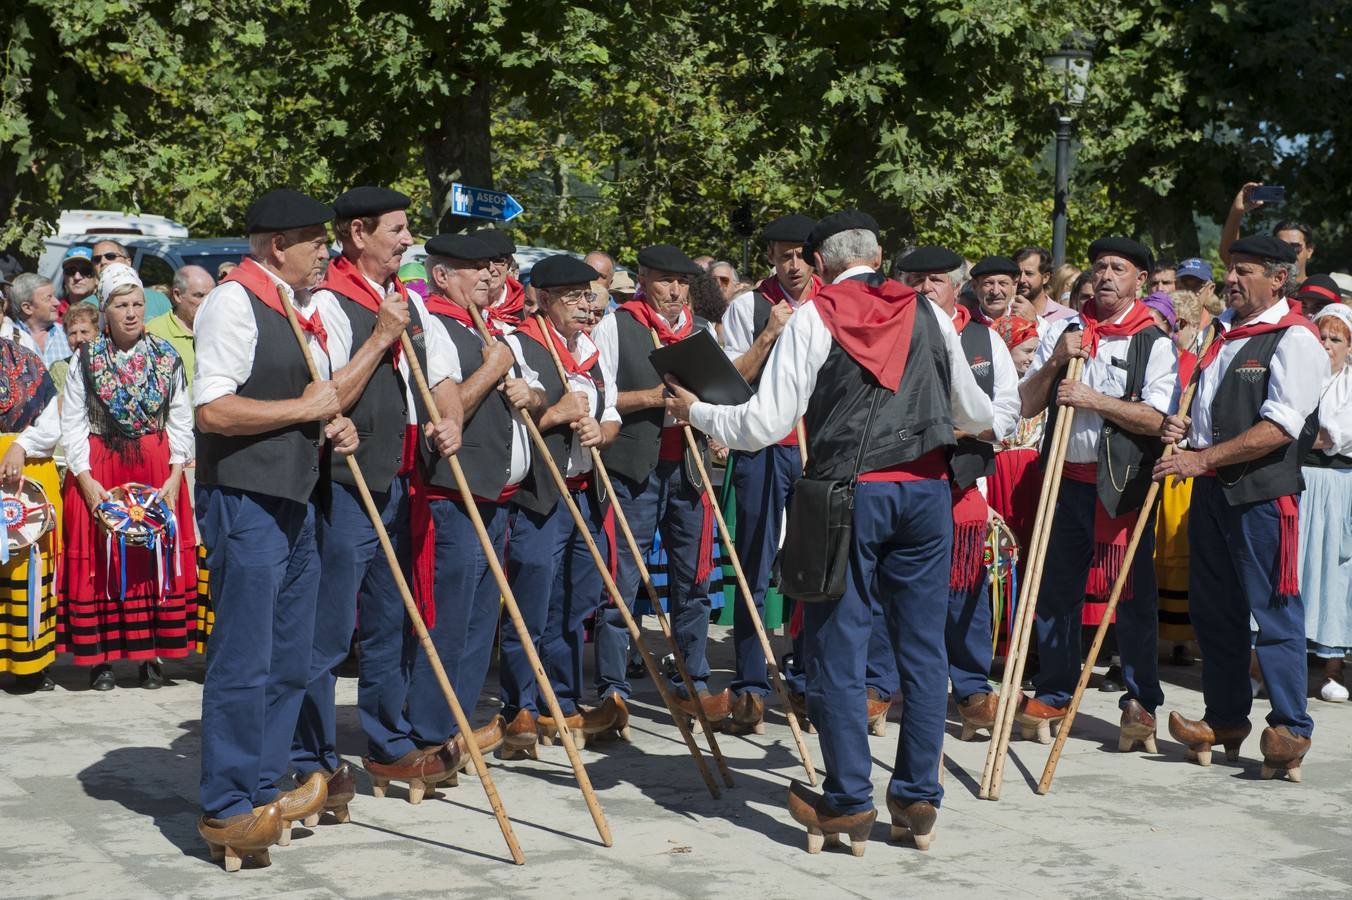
{"x":961,"y":317}
{"x":345,"y":279}
{"x":441,"y":306}
{"x":534,"y":329}
{"x":1137,"y":319}
{"x":646,"y":316}
{"x":255,"y":279}
{"x":1291,"y":319}
{"x":871,"y":323}
{"x":512,"y":303}
{"x":773,"y":291}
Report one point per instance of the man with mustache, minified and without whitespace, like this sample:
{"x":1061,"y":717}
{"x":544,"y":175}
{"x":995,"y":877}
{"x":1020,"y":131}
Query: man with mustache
{"x":1128,"y":386}
{"x":995,"y":281}
{"x":262,"y":426}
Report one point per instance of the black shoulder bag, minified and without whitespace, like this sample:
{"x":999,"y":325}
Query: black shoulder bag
{"x":816,"y":551}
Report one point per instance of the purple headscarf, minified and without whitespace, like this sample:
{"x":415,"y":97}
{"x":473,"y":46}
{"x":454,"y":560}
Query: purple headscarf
{"x":1163,"y":304}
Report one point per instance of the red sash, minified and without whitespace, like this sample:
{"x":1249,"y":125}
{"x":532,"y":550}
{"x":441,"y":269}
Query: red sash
{"x":1110,"y":538}
{"x":969,"y":538}
{"x":256,"y":280}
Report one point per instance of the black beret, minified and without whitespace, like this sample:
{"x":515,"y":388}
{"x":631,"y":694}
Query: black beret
{"x":792,"y":229}
{"x":282,"y":210}
{"x":499,"y":243}
{"x":1318,"y":288}
{"x":1264,"y":246}
{"x":845,"y":220}
{"x":458,"y":246}
{"x":667,"y":258}
{"x":368,"y":201}
{"x":930,"y":259}
{"x":996,"y":265}
{"x":562,"y":270}
{"x":1125,"y":247}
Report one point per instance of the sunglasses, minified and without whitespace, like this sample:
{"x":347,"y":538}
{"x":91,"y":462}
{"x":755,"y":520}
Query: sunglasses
{"x":81,"y":271}
{"x":110,"y":256}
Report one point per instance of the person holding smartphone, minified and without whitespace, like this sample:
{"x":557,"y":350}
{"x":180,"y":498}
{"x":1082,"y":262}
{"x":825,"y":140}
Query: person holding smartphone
{"x":1256,"y":195}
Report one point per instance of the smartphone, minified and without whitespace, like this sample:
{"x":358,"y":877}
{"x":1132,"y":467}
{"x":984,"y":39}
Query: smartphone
{"x":1270,"y":194}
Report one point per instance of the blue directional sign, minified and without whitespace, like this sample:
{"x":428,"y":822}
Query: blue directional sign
{"x":481,"y":203}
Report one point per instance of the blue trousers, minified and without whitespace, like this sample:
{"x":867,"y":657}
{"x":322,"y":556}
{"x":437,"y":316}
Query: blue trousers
{"x":903,"y":541}
{"x":353,"y":567}
{"x":534,"y":548}
{"x":1061,"y":600}
{"x":664,"y":500}
{"x":763,"y":482}
{"x":578,"y":592}
{"x":1236,"y":558}
{"x":467,"y":604}
{"x":264,"y":575}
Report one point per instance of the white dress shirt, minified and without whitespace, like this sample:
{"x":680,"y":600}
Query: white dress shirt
{"x":75,"y":420}
{"x":790,"y":376}
{"x":602,"y":408}
{"x":1006,"y":404}
{"x":225,"y":336}
{"x":739,"y":323}
{"x":607,"y":340}
{"x":442,"y":359}
{"x":1296,"y":377}
{"x":39,"y":439}
{"x":1107,"y":374}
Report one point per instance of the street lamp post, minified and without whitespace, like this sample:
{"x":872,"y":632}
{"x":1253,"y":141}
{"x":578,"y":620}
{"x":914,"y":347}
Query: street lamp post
{"x":1070,"y":66}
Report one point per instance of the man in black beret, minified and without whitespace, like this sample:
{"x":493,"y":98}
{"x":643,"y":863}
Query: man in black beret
{"x":1253,"y":422}
{"x":936,"y":272}
{"x":763,"y":479}
{"x":553,"y":576}
{"x":1128,"y":387}
{"x":995,"y":280}
{"x":655,"y":484}
{"x":366,"y":309}
{"x":509,"y":296}
{"x":1315,"y":293}
{"x":262,"y":426}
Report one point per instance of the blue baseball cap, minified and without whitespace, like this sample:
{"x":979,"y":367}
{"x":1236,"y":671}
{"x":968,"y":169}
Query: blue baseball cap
{"x":78,"y":252}
{"x":1197,"y":268}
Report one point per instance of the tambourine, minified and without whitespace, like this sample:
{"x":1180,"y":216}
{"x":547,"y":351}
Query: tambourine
{"x":27,"y":516}
{"x":1000,"y":541}
{"x":136,"y":515}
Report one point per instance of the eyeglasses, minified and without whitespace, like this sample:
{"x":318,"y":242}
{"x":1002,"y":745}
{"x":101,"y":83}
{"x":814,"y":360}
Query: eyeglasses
{"x":577,"y":298}
{"x":80,"y":271}
{"x":111,"y":256}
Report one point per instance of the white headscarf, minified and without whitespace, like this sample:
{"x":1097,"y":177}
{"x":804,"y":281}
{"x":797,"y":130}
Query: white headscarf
{"x":1335,"y":403}
{"x":114,"y":276}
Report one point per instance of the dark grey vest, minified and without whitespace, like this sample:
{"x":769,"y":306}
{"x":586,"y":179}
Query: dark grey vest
{"x":1234,"y":410}
{"x":1126,"y":460}
{"x":634,"y":452}
{"x":537,"y":491}
{"x":284,"y":462}
{"x":916,"y":419}
{"x":485,"y":452}
{"x":381,"y":412}
{"x":974,"y":458}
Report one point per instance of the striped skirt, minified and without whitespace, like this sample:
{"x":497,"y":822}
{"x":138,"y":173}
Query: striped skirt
{"x":23,"y":649}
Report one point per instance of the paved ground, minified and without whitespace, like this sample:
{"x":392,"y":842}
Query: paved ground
{"x":98,"y":799}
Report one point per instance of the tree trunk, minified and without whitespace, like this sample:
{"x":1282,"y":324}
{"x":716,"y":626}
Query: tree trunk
{"x":460,"y":149}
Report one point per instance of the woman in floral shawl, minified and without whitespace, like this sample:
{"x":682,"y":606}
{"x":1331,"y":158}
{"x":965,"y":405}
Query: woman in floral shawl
{"x":29,"y":430}
{"x":125,"y":418}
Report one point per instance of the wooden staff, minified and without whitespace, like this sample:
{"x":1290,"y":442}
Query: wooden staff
{"x":411,"y":607}
{"x":600,"y":468}
{"x":1147,"y":506}
{"x":803,"y":753}
{"x":513,"y":611}
{"x":801,"y":432}
{"x":992,"y":775}
{"x":542,"y":450}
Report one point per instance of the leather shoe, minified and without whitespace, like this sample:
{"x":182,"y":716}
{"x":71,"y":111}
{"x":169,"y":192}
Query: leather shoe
{"x":342,"y":788}
{"x":877,"y":713}
{"x":1112,"y":680}
{"x":548,"y":732}
{"x":302,"y":802}
{"x":977,"y":712}
{"x":101,"y":678}
{"x":747,"y":714}
{"x":151,"y":676}
{"x":420,"y":769}
{"x":247,"y":834}
{"x":609,"y":721}
{"x":519,"y":739}
{"x":1038,"y":721}
{"x":798,"y":703}
{"x":34,"y":682}
{"x":916,"y":819}
{"x":825,"y":825}
{"x":1200,"y":735}
{"x":488,"y":738}
{"x":1137,"y":727}
{"x":717,"y":708}
{"x":1283,"y":751}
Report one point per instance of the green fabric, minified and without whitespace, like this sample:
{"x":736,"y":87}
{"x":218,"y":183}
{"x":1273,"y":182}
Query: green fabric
{"x":171,"y":329}
{"x":59,"y":370}
{"x":774,"y":601}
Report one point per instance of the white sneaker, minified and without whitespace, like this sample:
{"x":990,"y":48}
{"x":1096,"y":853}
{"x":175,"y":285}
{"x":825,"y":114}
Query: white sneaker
{"x":1333,"y":691}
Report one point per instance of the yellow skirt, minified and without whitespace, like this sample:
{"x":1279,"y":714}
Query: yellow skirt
{"x":1171,"y":560}
{"x":206,"y":615}
{"x":20,"y":652}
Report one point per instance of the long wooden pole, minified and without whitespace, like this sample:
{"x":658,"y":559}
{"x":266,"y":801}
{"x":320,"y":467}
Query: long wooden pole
{"x":599,"y":468}
{"x":1119,"y":583}
{"x":513,"y":611}
{"x":411,"y":608}
{"x":803,"y":752}
{"x":542,"y":450}
{"x":1007,"y":708}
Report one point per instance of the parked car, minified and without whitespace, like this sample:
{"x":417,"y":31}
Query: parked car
{"x":104,"y":221}
{"x":155,"y":258}
{"x":526,"y":257}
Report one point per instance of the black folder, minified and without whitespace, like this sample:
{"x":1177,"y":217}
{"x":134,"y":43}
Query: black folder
{"x":702,"y":367}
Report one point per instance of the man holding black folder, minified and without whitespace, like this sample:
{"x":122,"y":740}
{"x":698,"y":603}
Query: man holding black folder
{"x":655,"y":483}
{"x":880,"y":377}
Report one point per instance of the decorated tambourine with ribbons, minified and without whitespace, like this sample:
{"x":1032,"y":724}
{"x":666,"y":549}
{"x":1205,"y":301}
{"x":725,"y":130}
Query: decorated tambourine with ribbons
{"x":134,"y":515}
{"x":1001,"y":558}
{"x":28,"y":516}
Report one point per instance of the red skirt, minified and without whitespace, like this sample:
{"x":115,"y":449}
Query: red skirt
{"x":1014,"y":490}
{"x":96,"y":622}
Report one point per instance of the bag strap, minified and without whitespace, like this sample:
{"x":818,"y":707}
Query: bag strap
{"x":868,"y":433}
